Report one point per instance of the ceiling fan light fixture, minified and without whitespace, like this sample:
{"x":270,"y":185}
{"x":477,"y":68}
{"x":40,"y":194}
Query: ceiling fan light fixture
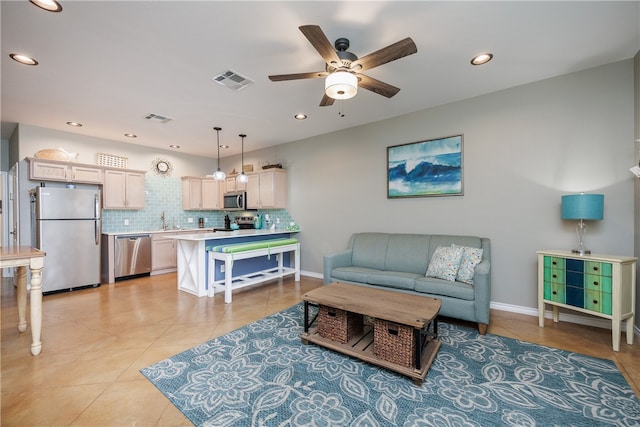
{"x":341,"y":85}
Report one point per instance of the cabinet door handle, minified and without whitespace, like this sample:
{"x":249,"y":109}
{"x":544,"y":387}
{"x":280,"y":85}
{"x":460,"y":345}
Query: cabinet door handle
{"x":595,"y":268}
{"x":595,"y":283}
{"x":555,"y":293}
{"x":555,"y":276}
{"x":595,"y":301}
{"x":554,"y":263}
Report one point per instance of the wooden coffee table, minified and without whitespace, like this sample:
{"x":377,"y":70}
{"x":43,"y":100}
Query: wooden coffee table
{"x":418,"y":312}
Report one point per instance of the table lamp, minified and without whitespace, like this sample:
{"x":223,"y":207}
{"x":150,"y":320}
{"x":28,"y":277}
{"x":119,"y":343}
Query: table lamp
{"x":582,"y":207}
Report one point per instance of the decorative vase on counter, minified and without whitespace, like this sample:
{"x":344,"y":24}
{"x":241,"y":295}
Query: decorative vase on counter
{"x":257,"y":222}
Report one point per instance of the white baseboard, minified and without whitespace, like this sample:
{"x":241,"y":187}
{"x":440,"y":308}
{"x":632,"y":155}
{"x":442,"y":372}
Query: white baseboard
{"x":597,"y":322}
{"x":312,"y":274}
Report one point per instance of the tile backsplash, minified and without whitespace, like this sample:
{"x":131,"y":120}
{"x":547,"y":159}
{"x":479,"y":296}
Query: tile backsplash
{"x":164,"y":195}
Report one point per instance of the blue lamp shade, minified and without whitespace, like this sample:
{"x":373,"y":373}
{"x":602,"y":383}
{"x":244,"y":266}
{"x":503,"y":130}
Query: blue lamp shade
{"x":583,"y":206}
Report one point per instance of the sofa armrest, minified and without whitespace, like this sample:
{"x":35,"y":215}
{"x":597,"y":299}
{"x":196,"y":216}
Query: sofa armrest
{"x":338,"y":259}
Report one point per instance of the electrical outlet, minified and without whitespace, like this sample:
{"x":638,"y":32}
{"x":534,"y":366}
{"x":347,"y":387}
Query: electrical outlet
{"x":126,"y":222}
{"x":221,"y":268}
{"x":277,"y":220}
{"x":190,"y":220}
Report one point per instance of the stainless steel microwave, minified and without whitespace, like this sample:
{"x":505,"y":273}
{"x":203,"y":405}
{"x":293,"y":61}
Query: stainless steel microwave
{"x":235,"y":201}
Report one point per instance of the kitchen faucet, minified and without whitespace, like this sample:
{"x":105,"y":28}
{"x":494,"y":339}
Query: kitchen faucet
{"x":164,"y":223}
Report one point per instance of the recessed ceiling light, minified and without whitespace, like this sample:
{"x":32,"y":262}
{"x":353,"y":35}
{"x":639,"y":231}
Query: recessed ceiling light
{"x":75,"y":124}
{"x":23,"y":59}
{"x":483,"y":58}
{"x":300,"y":116}
{"x":174,"y":146}
{"x":50,"y":5}
{"x":130,"y":135}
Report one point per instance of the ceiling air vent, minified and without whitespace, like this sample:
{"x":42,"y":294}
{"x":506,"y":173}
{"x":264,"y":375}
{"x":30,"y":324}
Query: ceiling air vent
{"x":157,"y":118}
{"x":232,"y":80}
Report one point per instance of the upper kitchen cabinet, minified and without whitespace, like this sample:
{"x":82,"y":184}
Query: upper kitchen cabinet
{"x":123,"y":189}
{"x":201,"y":193}
{"x":267,"y":189}
{"x":231,"y":185}
{"x":62,"y":171}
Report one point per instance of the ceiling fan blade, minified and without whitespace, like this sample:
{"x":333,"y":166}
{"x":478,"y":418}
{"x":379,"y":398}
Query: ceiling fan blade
{"x":321,"y":43}
{"x":326,"y":101}
{"x":298,"y":76}
{"x":381,"y":88}
{"x":386,"y":54}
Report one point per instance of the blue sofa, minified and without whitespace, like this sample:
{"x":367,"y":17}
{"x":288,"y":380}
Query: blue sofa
{"x":400,"y":262}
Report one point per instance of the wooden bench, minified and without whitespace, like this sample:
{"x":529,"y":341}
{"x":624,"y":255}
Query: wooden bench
{"x":233,"y":252}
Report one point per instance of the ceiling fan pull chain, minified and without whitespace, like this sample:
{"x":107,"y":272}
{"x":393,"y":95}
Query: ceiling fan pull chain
{"x":341,"y":111}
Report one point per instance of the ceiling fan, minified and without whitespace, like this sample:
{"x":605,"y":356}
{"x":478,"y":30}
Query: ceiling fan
{"x":343,"y":70}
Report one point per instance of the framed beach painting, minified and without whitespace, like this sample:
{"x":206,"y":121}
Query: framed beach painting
{"x":425,"y":168}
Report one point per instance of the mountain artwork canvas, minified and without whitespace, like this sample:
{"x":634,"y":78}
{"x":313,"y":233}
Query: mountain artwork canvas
{"x":425,"y":168}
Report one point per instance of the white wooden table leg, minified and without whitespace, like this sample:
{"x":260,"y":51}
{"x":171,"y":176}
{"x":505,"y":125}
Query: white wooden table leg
{"x":21,"y":285}
{"x":36,"y":305}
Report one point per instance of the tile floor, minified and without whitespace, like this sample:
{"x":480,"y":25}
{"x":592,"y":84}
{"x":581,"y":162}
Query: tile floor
{"x":96,"y":340}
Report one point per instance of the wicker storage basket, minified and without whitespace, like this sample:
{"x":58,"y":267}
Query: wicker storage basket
{"x":338,"y":325}
{"x":394,"y":343}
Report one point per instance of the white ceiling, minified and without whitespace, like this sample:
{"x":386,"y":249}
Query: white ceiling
{"x":107,"y":64}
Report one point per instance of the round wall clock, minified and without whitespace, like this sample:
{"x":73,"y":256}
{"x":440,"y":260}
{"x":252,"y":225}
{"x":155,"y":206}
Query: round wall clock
{"x":162,"y":167}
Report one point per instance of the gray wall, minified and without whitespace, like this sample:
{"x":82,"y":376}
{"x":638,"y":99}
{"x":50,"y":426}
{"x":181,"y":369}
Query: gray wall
{"x":523,"y":148}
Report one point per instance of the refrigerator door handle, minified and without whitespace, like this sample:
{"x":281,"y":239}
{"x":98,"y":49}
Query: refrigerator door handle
{"x":98,"y":230}
{"x":98,"y":221}
{"x":96,"y":207}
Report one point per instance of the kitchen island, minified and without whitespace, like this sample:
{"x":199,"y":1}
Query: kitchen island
{"x":194,"y":262}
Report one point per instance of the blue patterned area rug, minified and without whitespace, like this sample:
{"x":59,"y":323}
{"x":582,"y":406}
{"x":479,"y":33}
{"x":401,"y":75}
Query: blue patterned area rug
{"x":262,"y":375}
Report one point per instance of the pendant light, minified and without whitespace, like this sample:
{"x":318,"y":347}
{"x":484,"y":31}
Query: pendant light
{"x":242,"y":178}
{"x":218,"y":175}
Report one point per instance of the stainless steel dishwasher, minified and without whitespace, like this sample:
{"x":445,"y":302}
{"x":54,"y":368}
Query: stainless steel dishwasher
{"x":132,"y":255}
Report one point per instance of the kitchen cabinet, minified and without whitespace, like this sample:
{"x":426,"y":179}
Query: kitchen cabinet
{"x":267,"y":189}
{"x":232,"y":185}
{"x":123,"y":189}
{"x":201,"y":194}
{"x":163,"y":253}
{"x":61,"y":171}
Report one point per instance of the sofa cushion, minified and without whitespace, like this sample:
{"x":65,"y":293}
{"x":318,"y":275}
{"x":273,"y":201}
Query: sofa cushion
{"x":352,"y":274}
{"x":393,"y":279}
{"x":408,"y":252}
{"x":470,"y":258}
{"x":369,"y":250}
{"x":445,"y":262}
{"x":433,"y":286}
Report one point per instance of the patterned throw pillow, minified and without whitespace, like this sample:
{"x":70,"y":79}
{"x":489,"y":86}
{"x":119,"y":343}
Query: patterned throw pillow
{"x":445,"y":262}
{"x":470,"y":258}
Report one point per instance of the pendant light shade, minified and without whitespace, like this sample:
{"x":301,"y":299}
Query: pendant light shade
{"x":218,"y":175}
{"x":341,"y":85}
{"x":242,"y":178}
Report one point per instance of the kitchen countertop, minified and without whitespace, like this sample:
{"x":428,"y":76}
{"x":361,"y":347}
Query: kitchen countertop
{"x":171,"y":230}
{"x":228,"y":234}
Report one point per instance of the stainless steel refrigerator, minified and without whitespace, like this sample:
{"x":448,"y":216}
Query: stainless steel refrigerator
{"x":67,"y":226}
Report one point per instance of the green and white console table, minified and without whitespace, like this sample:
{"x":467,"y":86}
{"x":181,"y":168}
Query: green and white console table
{"x":600,"y":285}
